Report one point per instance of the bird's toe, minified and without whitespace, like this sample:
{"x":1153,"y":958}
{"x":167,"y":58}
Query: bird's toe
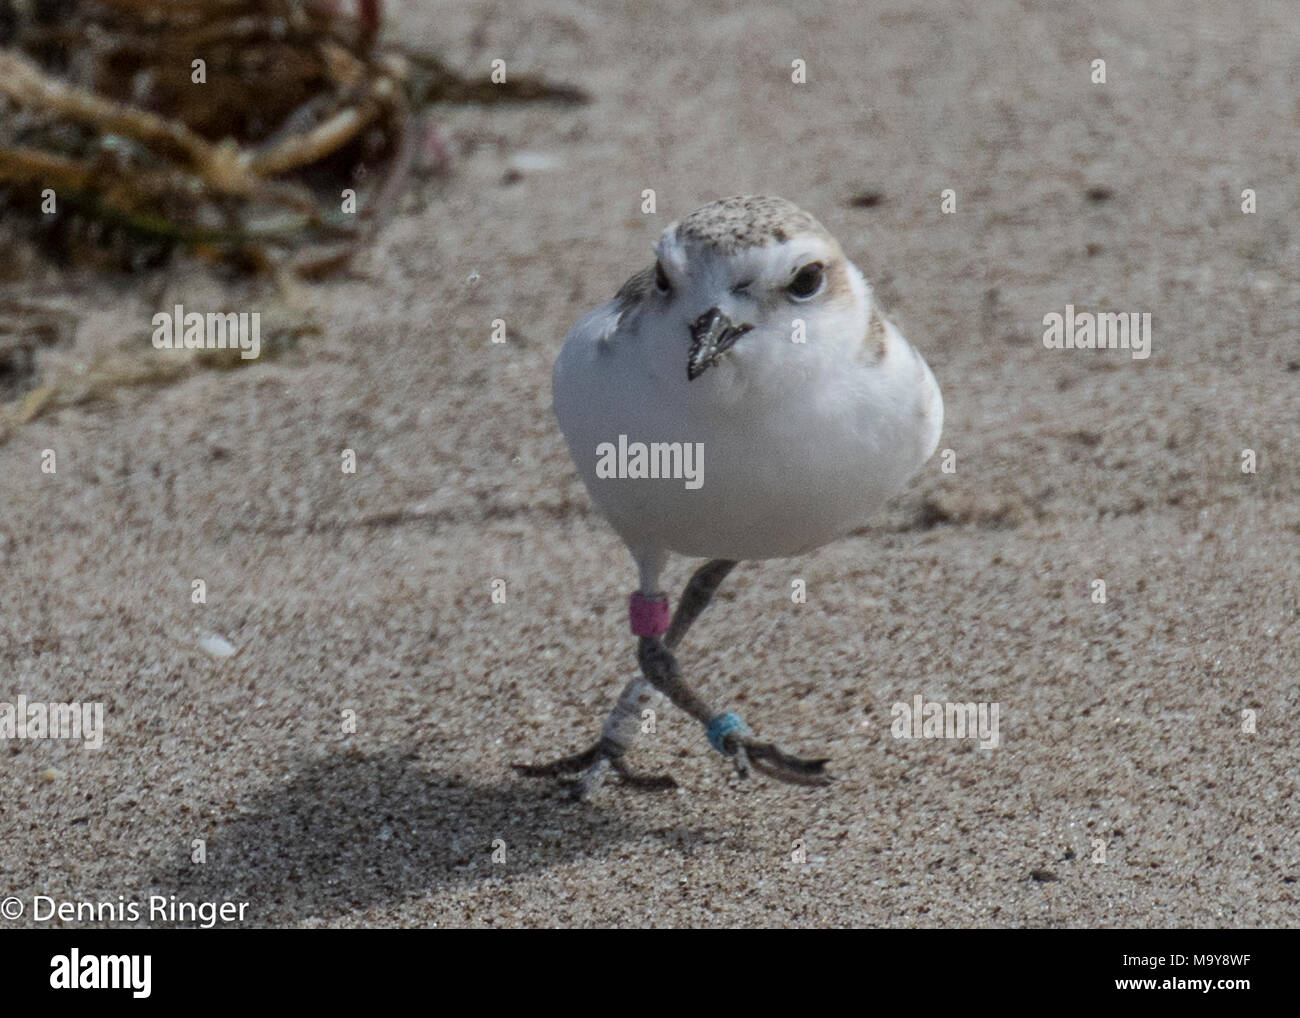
{"x":768,"y":759}
{"x":574,"y":764}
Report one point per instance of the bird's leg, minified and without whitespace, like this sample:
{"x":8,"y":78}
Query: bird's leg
{"x":617,"y":734}
{"x":727,"y":733}
{"x":696,"y":597}
{"x":623,"y":723}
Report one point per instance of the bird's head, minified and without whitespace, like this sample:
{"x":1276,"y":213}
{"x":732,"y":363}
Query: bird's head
{"x":749,"y":286}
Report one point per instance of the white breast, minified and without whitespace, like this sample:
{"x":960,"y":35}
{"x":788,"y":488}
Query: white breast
{"x":786,"y":469}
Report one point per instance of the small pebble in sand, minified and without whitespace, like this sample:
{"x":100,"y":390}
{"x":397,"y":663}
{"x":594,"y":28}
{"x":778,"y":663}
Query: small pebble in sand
{"x":217,"y":646}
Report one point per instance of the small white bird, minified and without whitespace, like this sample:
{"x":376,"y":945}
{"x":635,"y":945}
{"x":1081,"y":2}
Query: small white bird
{"x":742,"y":398}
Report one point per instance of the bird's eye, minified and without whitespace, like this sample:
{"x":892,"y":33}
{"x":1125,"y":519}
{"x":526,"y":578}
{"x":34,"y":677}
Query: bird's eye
{"x":807,"y":281}
{"x":661,"y":278}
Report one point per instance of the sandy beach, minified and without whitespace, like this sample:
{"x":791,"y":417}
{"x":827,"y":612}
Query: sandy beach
{"x":348,"y":765}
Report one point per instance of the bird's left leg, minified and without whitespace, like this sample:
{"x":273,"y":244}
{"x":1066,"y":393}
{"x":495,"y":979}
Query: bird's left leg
{"x":727,"y":733}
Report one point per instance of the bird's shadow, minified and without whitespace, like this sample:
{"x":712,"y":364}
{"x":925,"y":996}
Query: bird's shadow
{"x":355,"y":830}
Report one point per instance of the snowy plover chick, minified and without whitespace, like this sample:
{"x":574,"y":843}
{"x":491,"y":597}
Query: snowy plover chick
{"x":751,"y":360}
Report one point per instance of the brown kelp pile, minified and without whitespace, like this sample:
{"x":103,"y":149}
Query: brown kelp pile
{"x":235,"y":128}
{"x":270,"y":136}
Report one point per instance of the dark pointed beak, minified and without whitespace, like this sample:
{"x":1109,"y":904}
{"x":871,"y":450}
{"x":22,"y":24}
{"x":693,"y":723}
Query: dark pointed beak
{"x":712,"y":335}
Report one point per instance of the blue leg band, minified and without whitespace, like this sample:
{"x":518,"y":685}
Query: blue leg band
{"x":722,"y":726}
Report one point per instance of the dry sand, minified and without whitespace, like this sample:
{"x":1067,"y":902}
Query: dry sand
{"x":1121,"y":724}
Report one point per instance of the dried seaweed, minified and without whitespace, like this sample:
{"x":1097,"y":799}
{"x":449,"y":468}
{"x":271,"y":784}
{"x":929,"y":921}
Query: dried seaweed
{"x":228,"y":127}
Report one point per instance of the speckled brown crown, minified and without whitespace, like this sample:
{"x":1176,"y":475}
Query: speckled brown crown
{"x":732,"y":224}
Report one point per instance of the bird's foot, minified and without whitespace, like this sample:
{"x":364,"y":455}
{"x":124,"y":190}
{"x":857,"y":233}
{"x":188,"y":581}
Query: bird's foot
{"x":766,"y":758}
{"x":732,"y":737}
{"x":590,"y":765}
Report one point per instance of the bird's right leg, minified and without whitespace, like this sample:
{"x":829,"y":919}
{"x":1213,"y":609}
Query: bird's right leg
{"x":624,"y":722}
{"x":616,"y":736}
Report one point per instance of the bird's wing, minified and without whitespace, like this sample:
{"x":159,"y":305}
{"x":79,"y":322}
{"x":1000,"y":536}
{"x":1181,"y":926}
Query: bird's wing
{"x":871,"y":348}
{"x":597,"y":327}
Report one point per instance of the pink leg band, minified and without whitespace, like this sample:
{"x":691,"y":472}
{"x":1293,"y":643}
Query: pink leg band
{"x":649,"y":615}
